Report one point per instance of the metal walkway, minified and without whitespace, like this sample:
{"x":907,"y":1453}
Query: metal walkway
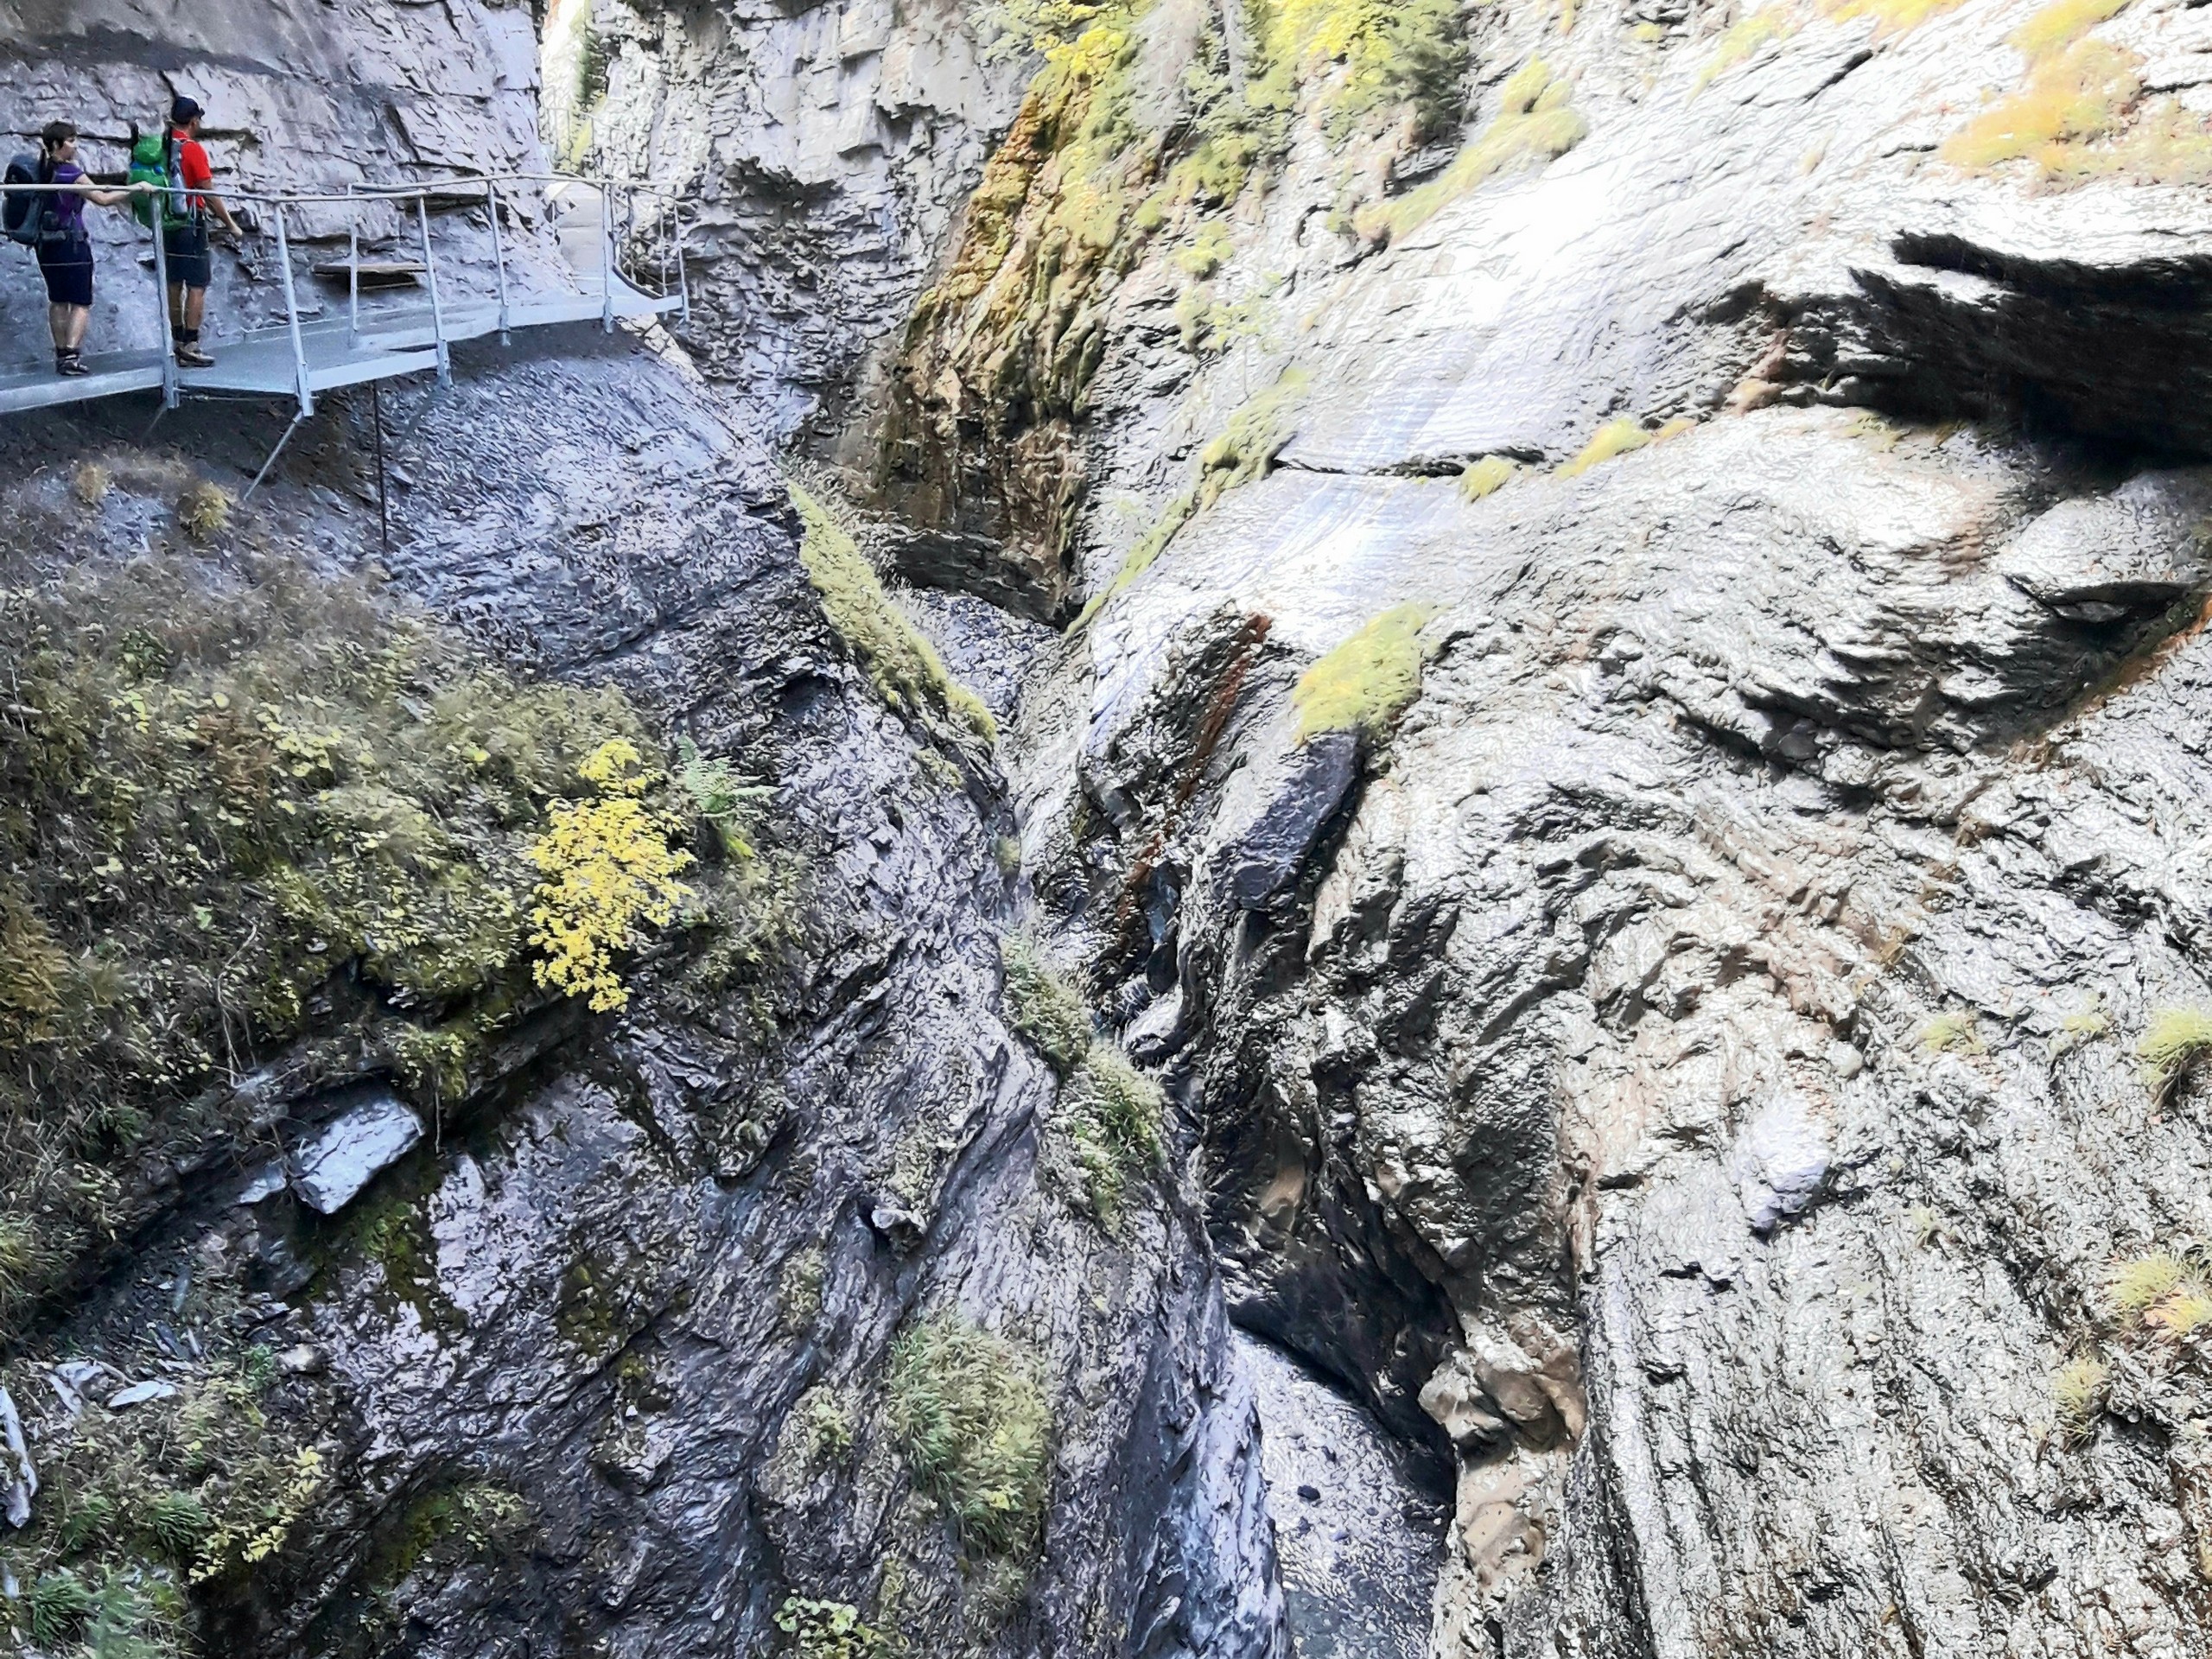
{"x":639,"y":274}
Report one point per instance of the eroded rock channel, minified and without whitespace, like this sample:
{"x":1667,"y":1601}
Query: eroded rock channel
{"x":1374,"y":833}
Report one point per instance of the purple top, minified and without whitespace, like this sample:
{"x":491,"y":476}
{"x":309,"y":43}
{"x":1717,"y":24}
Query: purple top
{"x":66,"y":208}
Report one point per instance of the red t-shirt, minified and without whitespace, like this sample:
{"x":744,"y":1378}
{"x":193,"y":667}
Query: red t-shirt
{"x":191,"y":167}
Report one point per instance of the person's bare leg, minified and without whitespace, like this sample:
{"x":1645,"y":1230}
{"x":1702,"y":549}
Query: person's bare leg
{"x":176,"y":309}
{"x":57,"y":323}
{"x":195,"y":306}
{"x":80,"y":319}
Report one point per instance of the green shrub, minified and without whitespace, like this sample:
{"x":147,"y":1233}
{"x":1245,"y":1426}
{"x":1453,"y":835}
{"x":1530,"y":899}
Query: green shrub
{"x":971,"y":1417}
{"x":826,"y":1630}
{"x":1043,"y":1007}
{"x":904,"y":667}
{"x":214,"y":803}
{"x":1366,"y":682}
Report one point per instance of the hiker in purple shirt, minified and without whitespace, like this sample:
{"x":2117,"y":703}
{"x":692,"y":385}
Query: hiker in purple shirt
{"x":65,"y":249}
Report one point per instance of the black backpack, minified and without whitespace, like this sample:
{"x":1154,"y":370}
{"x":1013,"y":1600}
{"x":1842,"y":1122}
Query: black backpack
{"x":24,"y":216}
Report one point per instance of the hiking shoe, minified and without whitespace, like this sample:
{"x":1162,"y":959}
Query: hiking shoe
{"x":191,"y":357}
{"x":72,"y":365}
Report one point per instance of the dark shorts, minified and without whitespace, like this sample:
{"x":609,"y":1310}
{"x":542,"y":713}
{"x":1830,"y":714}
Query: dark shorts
{"x":67,"y":268}
{"x":185,"y":248}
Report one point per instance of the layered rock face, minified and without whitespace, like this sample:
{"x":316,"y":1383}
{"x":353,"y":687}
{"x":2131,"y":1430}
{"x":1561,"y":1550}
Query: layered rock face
{"x":782,"y":1293}
{"x":1689,"y":1063}
{"x":826,"y":151}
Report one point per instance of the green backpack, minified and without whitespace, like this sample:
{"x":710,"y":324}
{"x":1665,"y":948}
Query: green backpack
{"x":147,"y":167}
{"x":154,"y":161}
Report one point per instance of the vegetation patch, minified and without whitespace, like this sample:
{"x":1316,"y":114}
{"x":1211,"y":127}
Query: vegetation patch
{"x":2057,"y":26}
{"x":219,"y":812}
{"x":1610,"y":442}
{"x":2175,"y":1039}
{"x":969,"y":1414}
{"x":905,"y":668}
{"x":1954,"y":1031}
{"x":2077,"y":1388}
{"x":1534,"y":123}
{"x":2083,"y":116}
{"x":205,"y":1486}
{"x":1745,"y":39}
{"x":1111,"y":1114}
{"x":1045,"y":1007}
{"x":827,"y":1629}
{"x":1246,"y":449}
{"x":1366,"y":682}
{"x":1487,"y":476}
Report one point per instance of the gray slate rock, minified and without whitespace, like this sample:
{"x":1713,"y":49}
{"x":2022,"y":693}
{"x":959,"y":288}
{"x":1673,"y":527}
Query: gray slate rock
{"x":347,"y":1152}
{"x":1268,"y":859}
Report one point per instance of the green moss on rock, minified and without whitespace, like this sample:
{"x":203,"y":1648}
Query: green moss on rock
{"x":902,"y":665}
{"x":1366,"y":682}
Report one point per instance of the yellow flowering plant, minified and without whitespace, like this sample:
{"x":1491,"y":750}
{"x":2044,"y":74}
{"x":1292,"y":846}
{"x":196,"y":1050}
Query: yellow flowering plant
{"x":607,"y":870}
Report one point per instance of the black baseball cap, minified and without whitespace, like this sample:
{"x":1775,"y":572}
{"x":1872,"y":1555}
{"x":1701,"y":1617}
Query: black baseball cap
{"x":183,"y":110}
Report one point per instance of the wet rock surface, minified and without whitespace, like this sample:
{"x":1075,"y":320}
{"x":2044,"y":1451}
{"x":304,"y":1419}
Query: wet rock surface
{"x":1359,"y":1525}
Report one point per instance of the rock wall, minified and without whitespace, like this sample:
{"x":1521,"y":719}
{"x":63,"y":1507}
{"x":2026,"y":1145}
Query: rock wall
{"x":1686,"y":1065}
{"x":607,"y":1358}
{"x":828,"y":151}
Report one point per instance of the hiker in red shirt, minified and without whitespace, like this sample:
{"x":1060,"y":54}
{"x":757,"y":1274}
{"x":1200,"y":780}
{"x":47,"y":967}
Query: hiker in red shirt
{"x":184,"y":229}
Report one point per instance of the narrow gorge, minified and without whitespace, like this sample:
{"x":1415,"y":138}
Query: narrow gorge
{"x":1319,"y":830}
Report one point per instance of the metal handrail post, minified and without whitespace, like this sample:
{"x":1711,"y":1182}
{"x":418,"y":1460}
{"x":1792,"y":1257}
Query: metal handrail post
{"x":292,"y":314}
{"x":353,"y":277}
{"x":682,"y":269}
{"x":437,"y":305}
{"x":170,"y":394}
{"x":606,"y":258}
{"x":498,"y":258}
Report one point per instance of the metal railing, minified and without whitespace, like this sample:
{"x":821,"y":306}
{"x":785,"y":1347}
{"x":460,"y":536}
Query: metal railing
{"x":647,"y":258}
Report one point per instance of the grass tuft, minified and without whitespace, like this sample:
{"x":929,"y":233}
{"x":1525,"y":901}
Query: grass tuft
{"x":1043,"y":1007}
{"x":1487,"y":476}
{"x":204,"y":511}
{"x":2077,"y":1388}
{"x":1613,"y":439}
{"x":1113,"y":1117}
{"x":1366,"y":682}
{"x":2181,"y":1314}
{"x":970,"y":1415}
{"x":2174,"y":1040}
{"x":2136,"y":1285}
